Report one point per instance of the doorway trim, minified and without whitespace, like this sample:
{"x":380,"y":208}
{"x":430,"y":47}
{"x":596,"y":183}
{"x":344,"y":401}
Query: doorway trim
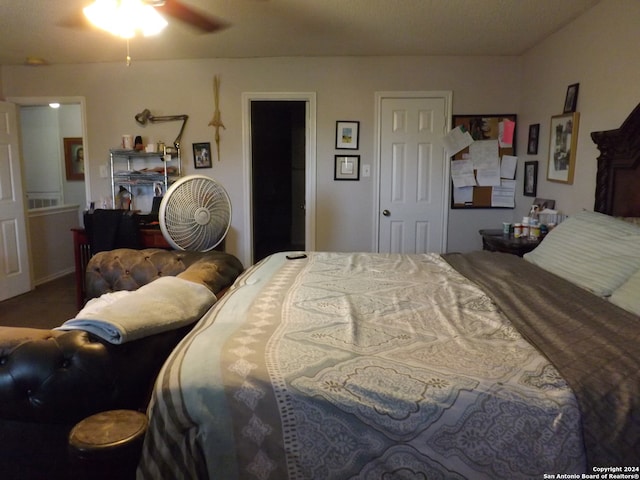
{"x":34,"y":101}
{"x":447,"y":95}
{"x":310,"y":163}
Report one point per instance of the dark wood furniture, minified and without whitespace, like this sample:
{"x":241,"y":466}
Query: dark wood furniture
{"x":618,"y":177}
{"x":496,"y":241}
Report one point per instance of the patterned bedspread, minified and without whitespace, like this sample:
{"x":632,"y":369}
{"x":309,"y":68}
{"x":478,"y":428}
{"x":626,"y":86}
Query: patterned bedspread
{"x":360,"y":366}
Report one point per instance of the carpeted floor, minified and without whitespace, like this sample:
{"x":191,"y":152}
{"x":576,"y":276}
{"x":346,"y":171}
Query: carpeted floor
{"x":47,"y":306}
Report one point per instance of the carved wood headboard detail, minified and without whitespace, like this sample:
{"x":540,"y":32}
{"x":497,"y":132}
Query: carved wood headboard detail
{"x":618,"y":176}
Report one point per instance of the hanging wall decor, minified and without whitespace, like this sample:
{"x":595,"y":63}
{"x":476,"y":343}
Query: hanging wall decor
{"x":530,"y":178}
{"x":202,"y":155}
{"x":216,"y":121}
{"x":571,"y":98}
{"x":347,"y":167}
{"x":74,"y":158}
{"x":347,"y":135}
{"x":562,"y":147}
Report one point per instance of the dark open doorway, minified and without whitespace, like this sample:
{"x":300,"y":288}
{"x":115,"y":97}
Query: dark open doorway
{"x":278,"y":176}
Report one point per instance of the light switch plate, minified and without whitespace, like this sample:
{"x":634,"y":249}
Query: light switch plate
{"x":366,"y":170}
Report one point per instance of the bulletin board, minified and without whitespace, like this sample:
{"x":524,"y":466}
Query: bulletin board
{"x":482,"y":127}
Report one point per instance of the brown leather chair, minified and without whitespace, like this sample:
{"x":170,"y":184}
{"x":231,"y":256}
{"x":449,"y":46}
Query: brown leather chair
{"x":50,"y":379}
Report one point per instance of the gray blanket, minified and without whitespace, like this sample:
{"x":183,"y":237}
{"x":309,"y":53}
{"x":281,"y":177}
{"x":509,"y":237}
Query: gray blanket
{"x":594,"y":345}
{"x":359,"y":366}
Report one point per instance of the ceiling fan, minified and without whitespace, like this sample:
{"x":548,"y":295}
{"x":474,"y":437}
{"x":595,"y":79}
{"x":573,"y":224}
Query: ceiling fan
{"x":119,"y":11}
{"x":174,"y":8}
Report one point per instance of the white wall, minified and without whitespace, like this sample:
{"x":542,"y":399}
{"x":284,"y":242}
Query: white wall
{"x":345,"y":89}
{"x":601,"y":51}
{"x":51,"y":242}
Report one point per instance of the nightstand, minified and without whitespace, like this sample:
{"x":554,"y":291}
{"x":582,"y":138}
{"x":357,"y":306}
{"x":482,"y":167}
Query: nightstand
{"x":496,"y":241}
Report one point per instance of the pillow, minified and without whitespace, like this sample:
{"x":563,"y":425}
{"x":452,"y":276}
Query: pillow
{"x":592,"y":250}
{"x":628,"y":295}
{"x":634,"y":220}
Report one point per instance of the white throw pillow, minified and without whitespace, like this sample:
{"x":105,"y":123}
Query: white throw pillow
{"x":628,"y":295}
{"x":592,"y":250}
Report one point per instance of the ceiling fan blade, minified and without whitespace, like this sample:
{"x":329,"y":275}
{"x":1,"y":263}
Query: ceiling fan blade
{"x":201,"y":21}
{"x":76,"y":20}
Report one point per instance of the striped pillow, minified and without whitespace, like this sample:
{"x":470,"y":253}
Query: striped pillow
{"x":592,"y":250}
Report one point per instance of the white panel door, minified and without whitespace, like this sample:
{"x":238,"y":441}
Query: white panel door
{"x":15,"y":275}
{"x":412,"y":175}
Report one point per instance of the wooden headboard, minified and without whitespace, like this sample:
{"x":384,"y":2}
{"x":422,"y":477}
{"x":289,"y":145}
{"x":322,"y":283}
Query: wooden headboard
{"x":618,"y":176}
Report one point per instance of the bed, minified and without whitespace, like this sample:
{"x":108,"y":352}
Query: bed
{"x":360,"y":365}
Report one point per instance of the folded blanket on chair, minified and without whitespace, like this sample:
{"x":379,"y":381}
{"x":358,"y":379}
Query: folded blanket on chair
{"x":164,"y":304}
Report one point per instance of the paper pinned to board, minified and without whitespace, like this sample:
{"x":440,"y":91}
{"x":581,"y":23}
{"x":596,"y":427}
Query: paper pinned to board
{"x":508,"y":167}
{"x":457,"y":139}
{"x":504,"y":195}
{"x":506,"y":129}
{"x":462,"y":173}
{"x":463,"y":195}
{"x":485,"y":156}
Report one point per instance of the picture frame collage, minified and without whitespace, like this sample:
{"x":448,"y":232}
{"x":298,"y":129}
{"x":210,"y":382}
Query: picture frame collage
{"x":347,"y":166}
{"x":563,"y":140}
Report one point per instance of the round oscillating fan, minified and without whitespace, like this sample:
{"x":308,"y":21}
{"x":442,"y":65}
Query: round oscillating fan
{"x":195,"y":213}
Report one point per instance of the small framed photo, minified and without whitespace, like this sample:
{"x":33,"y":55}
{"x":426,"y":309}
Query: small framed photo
{"x":202,"y":155}
{"x":530,"y":178}
{"x":534,"y":134}
{"x":74,"y":158}
{"x":571,"y":100}
{"x":347,"y":133}
{"x":562,"y":147}
{"x":158,"y":189}
{"x":347,"y":167}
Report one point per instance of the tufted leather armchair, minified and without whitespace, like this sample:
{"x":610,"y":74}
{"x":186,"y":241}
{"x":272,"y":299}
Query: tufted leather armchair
{"x":50,"y":379}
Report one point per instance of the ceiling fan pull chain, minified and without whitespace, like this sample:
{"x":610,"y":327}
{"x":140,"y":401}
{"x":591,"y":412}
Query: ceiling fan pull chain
{"x":128,"y":56}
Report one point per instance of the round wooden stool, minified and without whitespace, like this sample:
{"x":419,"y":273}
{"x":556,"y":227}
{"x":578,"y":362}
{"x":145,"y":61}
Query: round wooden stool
{"x":107,"y":444}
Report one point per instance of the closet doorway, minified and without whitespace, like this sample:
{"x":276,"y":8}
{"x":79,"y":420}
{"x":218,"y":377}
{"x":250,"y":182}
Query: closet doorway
{"x":281,"y":174}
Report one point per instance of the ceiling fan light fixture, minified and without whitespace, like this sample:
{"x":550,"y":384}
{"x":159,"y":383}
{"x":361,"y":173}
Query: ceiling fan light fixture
{"x":124,"y":18}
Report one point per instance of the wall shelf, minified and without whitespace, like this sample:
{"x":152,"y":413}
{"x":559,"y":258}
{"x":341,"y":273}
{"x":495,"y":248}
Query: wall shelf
{"x":144,"y":175}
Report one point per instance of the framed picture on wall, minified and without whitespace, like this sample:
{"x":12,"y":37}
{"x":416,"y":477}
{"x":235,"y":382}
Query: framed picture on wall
{"x":530,"y":178}
{"x":532,"y":143}
{"x":202,"y":155}
{"x":347,"y":167}
{"x":347,"y":133}
{"x":562,"y":147}
{"x":571,"y":99}
{"x":74,"y":158}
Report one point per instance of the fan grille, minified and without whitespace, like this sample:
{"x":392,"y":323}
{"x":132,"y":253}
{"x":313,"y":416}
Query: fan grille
{"x":195,"y":214}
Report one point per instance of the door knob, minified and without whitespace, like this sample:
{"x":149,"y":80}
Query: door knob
{"x":386,"y":213}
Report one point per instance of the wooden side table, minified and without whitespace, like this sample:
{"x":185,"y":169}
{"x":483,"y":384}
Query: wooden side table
{"x":496,"y":241}
{"x":107,"y":445}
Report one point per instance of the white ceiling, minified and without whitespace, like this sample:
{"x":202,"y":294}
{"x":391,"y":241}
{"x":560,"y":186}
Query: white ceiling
{"x":267,"y":28}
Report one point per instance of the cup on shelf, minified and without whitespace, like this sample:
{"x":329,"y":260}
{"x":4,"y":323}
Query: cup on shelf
{"x":127,"y":142}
